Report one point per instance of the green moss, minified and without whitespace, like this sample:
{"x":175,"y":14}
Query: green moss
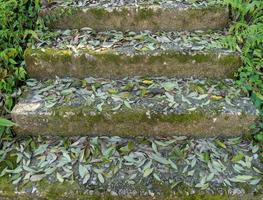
{"x":28,"y":52}
{"x":9,"y":161}
{"x":49,"y":54}
{"x":56,"y":14}
{"x":182,"y":118}
{"x":125,"y":115}
{"x":72,"y":190}
{"x":109,"y":63}
{"x":66,"y":189}
{"x":5,"y":186}
{"x":180,"y":57}
{"x":108,"y":57}
{"x":112,"y":57}
{"x":128,"y":115}
{"x":98,"y":13}
{"x":53,"y":55}
{"x":145,"y":14}
{"x":200,"y":58}
{"x":231,"y":60}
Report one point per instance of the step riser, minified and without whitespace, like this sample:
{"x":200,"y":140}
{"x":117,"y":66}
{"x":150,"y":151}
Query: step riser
{"x":61,"y":193}
{"x":109,"y":64}
{"x":85,"y":121}
{"x":136,"y":19}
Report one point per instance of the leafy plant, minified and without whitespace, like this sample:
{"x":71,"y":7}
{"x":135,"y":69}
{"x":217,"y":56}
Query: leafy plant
{"x":6,"y":123}
{"x":246,"y":36}
{"x":18,"y":27}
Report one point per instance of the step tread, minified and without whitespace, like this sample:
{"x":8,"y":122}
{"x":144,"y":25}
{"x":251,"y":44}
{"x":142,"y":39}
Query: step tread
{"x":154,"y":106}
{"x":115,"y":54}
{"x":130,"y":42}
{"x":180,"y":166}
{"x":128,"y":15}
{"x":118,"y":3}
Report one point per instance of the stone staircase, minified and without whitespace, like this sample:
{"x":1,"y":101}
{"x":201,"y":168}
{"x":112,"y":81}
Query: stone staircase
{"x":144,"y":69}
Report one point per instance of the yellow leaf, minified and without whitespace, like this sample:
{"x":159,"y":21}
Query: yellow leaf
{"x":148,"y":82}
{"x":215,"y":97}
{"x":112,"y":91}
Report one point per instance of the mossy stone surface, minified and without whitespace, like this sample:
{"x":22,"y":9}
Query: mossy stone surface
{"x":151,"y":17}
{"x":50,"y":62}
{"x":86,"y":120}
{"x":72,"y":190}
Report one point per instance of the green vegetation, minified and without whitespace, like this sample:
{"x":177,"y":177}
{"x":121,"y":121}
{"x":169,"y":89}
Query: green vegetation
{"x":246,"y":36}
{"x":18,"y":28}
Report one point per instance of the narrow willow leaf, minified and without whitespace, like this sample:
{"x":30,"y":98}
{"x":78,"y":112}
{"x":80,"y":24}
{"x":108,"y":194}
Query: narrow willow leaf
{"x":38,"y":177}
{"x":127,"y":104}
{"x":17,"y":181}
{"x":101,"y":178}
{"x":147,"y":172}
{"x":86,"y":178}
{"x":82,"y":171}
{"x":241,"y":178}
{"x":157,"y":177}
{"x":160,"y":159}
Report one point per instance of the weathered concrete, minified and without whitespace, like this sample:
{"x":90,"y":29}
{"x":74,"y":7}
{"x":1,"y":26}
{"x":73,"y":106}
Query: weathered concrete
{"x":34,"y":118}
{"x":150,"y":17}
{"x":72,"y":190}
{"x":46,"y":63}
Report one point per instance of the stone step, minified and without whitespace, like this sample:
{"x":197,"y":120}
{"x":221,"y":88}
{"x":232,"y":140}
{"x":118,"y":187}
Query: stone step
{"x":114,"y":54}
{"x":143,"y":15}
{"x":134,"y":106}
{"x":173,"y":168}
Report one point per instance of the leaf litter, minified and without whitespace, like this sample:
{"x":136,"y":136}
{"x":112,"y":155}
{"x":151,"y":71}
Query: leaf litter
{"x":116,"y":164}
{"x":156,"y":95}
{"x":117,"y":3}
{"x":130,"y":42}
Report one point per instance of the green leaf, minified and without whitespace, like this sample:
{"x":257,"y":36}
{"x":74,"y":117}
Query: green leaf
{"x":101,"y":178}
{"x":127,"y":104}
{"x":220,"y":144}
{"x":241,"y":178}
{"x":147,"y":172}
{"x":238,"y":157}
{"x":259,"y":137}
{"x":160,"y":159}
{"x":82,"y":171}
{"x":6,"y":122}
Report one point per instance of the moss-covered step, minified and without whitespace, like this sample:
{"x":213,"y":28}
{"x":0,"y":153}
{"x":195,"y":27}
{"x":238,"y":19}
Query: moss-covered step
{"x":115,"y":54}
{"x":132,"y":107}
{"x":131,"y":168}
{"x":143,"y":15}
{"x":71,"y":191}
